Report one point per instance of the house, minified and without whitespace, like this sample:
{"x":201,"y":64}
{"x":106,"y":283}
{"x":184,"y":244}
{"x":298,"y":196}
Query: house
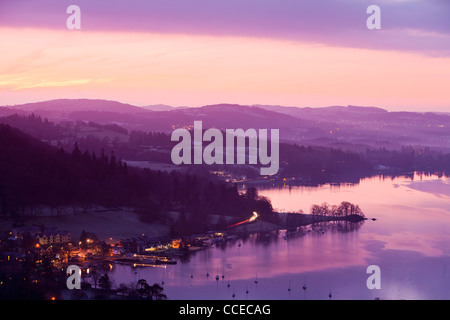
{"x":53,"y":237}
{"x":43,"y":236}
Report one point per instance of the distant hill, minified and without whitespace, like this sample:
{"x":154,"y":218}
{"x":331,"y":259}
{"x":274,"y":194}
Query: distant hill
{"x":158,"y":107}
{"x":223,"y":116}
{"x":351,"y":126}
{"x":74,"y":105}
{"x":231,"y":116}
{"x":344,"y":127}
{"x":333,"y":113}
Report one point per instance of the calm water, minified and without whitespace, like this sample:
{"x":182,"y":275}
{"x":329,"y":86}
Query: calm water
{"x":409,"y":241}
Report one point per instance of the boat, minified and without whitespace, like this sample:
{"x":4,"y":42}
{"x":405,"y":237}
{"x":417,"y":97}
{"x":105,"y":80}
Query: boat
{"x":165,"y":260}
{"x":144,"y":260}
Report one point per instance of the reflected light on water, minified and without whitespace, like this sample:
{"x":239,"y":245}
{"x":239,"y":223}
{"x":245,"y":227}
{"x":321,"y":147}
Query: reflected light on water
{"x":409,"y":241}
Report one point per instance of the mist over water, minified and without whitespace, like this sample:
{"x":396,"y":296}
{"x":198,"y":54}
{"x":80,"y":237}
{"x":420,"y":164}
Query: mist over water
{"x":409,"y":241}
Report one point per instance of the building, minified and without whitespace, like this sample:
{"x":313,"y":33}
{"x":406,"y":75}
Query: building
{"x":53,"y":237}
{"x":42,"y":235}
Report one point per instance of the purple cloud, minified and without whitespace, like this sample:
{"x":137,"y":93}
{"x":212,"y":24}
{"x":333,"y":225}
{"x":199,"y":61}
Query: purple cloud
{"x":413,"y":25}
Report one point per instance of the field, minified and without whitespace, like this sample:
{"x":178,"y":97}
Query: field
{"x":110,"y":226}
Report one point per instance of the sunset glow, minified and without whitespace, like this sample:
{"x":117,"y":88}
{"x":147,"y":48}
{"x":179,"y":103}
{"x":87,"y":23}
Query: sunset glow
{"x":253,"y":150}
{"x":184,"y":67}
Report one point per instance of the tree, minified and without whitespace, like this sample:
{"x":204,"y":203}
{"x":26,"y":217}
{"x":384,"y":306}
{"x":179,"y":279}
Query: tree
{"x":147,"y":292}
{"x":333,"y":210}
{"x":324,"y":209}
{"x":251,"y":193}
{"x":156,"y":292}
{"x":76,"y":153}
{"x":315,"y":209}
{"x":346,"y":208}
{"x":105,"y":283}
{"x":358,"y":210}
{"x":124,"y":290}
{"x":95,"y":276}
{"x":143,"y":290}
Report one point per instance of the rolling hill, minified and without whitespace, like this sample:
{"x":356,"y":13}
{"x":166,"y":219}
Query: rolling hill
{"x":345,"y":127}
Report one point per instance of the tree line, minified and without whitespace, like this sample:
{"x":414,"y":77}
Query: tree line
{"x":311,"y":163}
{"x":34,"y":175}
{"x":344,"y":209}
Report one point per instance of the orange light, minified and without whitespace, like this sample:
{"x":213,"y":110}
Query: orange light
{"x":53,"y":298}
{"x":37,"y":245}
{"x":253,"y":218}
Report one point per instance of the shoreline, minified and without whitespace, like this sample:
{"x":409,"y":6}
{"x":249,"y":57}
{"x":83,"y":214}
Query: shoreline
{"x":305,"y":220}
{"x":109,"y":226}
{"x":115,"y":225}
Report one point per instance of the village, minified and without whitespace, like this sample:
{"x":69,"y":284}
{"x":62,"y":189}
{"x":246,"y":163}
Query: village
{"x":58,"y":249}
{"x":34,"y":260}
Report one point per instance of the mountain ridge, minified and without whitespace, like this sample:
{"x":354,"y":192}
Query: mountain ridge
{"x":347,"y":126}
{"x":71,"y":105}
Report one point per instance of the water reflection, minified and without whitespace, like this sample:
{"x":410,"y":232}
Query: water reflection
{"x":409,"y":241}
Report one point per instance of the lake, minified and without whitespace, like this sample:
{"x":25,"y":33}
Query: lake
{"x":409,"y":241}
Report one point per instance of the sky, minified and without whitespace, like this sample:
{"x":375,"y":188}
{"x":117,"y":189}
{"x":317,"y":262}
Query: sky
{"x":199,"y":52}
